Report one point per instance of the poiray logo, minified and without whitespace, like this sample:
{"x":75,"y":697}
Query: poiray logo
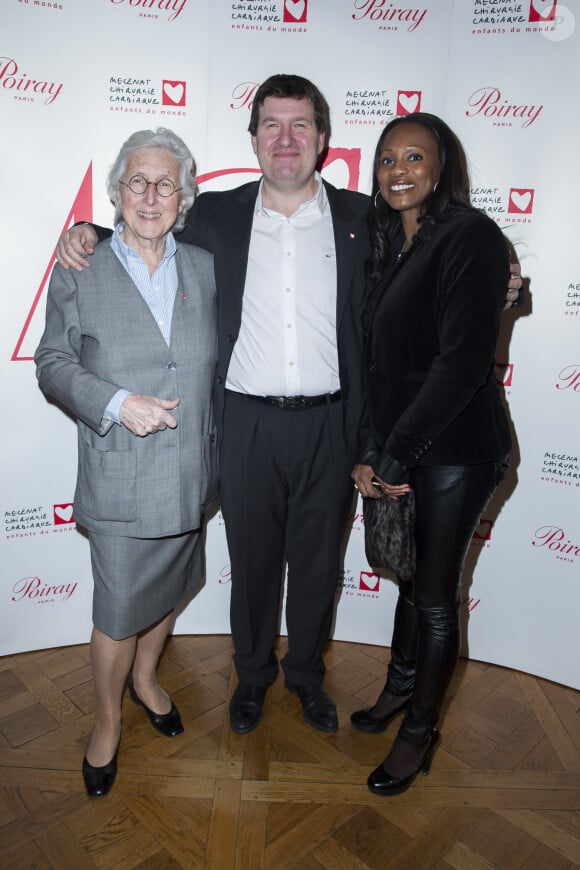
{"x":554,"y":538}
{"x":24,"y":87}
{"x":225,"y":575}
{"x":387,"y":15}
{"x":173,"y":7}
{"x":35,"y":589}
{"x":569,"y":378}
{"x":489,"y":102}
{"x":243,"y":95}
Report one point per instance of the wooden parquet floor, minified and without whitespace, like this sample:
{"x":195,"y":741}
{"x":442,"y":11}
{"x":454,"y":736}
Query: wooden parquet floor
{"x":504,"y":790}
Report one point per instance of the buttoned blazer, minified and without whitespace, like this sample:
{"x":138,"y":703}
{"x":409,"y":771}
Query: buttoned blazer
{"x":100,"y":336}
{"x":432,"y":330}
{"x":221,"y":222}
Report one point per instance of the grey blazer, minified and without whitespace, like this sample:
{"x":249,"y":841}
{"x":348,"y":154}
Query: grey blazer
{"x":100,"y":336}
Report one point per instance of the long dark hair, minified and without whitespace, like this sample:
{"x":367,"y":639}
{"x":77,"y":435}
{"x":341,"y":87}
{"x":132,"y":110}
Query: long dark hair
{"x":450,"y":196}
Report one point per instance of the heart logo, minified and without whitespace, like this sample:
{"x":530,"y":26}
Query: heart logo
{"x":295,"y":8}
{"x":369,"y":582}
{"x":521,"y":199}
{"x":543,"y":7}
{"x":63,"y":513}
{"x":174,"y":93}
{"x":408,"y":101}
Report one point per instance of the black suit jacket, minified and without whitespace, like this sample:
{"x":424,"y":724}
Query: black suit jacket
{"x":432,"y":326}
{"x":221,"y":222}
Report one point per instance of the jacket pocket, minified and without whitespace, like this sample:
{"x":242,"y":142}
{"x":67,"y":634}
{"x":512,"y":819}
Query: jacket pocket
{"x":106,"y":487}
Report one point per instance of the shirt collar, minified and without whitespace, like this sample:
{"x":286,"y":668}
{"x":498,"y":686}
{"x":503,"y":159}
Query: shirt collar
{"x":126,"y":253}
{"x":318,"y":202}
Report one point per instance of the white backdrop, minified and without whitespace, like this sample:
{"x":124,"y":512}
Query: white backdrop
{"x":78,"y":76}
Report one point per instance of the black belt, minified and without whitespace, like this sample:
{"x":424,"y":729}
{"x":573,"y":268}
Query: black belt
{"x":295,"y":403}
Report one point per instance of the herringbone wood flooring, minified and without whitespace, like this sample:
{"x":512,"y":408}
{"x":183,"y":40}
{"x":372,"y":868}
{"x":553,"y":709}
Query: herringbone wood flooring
{"x":504,"y":790}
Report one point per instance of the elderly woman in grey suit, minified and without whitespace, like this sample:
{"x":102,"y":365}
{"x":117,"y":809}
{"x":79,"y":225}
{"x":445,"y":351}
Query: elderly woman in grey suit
{"x":129,"y":348}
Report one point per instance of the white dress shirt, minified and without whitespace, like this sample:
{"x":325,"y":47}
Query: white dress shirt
{"x":287,"y":340}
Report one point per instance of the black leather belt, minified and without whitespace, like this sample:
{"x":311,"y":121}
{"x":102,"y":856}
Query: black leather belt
{"x":295,"y":403}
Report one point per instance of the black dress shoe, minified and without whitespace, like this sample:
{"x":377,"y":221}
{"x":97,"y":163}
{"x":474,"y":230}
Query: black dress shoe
{"x":365,"y":721}
{"x":168,"y":724}
{"x":317,"y":708}
{"x":99,"y":780}
{"x":381,"y":782}
{"x":246,"y":707}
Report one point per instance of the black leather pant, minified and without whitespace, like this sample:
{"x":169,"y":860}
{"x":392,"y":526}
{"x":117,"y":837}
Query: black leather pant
{"x":426,"y":636}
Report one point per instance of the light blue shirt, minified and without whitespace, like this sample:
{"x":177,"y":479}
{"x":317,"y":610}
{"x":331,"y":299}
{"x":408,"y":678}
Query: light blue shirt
{"x":158,"y":291}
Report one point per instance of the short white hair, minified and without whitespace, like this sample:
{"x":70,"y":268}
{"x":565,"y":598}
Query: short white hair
{"x":160,"y":138}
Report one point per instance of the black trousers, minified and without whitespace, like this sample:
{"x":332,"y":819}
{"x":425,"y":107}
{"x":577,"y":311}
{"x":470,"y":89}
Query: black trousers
{"x":426,"y":634}
{"x":286,"y":492}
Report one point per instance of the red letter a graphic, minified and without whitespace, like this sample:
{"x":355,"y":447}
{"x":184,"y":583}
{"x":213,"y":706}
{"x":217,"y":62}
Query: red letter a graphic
{"x":82,"y":209}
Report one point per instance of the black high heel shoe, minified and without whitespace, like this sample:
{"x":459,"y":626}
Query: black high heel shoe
{"x":365,"y":721}
{"x":381,"y":782}
{"x":168,"y":724}
{"x":99,"y":780}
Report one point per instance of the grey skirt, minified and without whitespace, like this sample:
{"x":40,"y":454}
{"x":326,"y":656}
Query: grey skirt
{"x":137,"y":581}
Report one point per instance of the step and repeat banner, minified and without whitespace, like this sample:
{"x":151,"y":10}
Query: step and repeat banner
{"x":77,"y":77}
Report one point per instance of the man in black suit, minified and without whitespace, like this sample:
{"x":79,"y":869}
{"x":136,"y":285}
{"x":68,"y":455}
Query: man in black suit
{"x":288,"y":253}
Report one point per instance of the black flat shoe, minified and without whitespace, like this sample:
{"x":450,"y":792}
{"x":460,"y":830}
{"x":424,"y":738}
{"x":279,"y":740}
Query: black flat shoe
{"x":99,"y":780}
{"x":365,"y":721}
{"x":381,"y":782}
{"x":317,"y":708}
{"x":168,"y":724}
{"x":246,"y":707}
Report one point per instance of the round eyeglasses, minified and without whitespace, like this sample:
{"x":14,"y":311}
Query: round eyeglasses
{"x":138,"y":184}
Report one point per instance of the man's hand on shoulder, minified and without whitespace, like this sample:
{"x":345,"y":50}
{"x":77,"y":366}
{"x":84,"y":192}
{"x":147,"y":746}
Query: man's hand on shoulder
{"x":75,"y":246}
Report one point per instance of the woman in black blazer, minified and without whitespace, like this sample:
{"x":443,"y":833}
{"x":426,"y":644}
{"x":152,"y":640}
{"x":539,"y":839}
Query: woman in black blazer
{"x":435,"y":423}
